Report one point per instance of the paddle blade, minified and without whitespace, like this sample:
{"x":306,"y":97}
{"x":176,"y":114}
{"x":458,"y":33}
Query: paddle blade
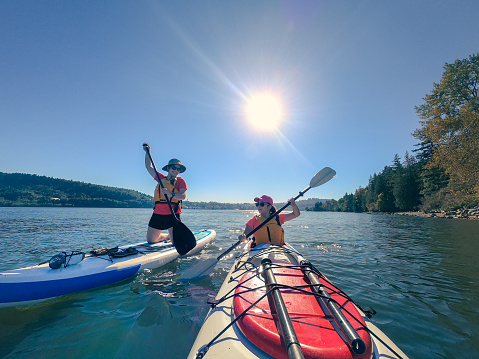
{"x":322,"y":177}
{"x":183,"y":239}
{"x":200,"y":270}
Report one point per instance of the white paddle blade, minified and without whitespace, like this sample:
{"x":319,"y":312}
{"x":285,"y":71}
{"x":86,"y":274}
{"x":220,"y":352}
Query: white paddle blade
{"x":200,"y":270}
{"x":322,"y":177}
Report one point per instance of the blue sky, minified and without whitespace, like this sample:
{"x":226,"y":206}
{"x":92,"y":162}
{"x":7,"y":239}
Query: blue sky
{"x":85,"y":83}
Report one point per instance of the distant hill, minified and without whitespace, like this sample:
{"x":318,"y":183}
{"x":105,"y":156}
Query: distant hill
{"x":310,"y":202}
{"x":302,"y":204}
{"x":20,"y":189}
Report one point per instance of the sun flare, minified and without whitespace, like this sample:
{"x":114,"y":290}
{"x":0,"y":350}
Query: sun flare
{"x":264,"y":112}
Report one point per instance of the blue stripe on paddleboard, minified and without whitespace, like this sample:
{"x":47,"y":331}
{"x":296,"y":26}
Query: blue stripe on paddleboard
{"x":20,"y":292}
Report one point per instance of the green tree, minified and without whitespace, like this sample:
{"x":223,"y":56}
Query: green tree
{"x":432,"y":179}
{"x":346,"y":203}
{"x":332,"y":205}
{"x":405,"y":183}
{"x":372,"y":194}
{"x":450,"y":126}
{"x":360,"y":200}
{"x":382,"y":192}
{"x":318,"y":206}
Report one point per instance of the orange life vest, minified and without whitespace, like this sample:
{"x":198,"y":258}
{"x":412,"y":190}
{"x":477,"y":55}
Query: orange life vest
{"x":170,"y":186}
{"x":271,"y":232}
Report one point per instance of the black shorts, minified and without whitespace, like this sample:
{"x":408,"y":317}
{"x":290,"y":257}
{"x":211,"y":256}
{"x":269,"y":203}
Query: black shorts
{"x":160,"y":221}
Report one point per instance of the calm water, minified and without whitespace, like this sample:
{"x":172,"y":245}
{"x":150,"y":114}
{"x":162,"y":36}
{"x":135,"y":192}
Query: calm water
{"x":419,"y":274}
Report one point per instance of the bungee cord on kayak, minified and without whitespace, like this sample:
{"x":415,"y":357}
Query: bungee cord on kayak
{"x":248,"y":269}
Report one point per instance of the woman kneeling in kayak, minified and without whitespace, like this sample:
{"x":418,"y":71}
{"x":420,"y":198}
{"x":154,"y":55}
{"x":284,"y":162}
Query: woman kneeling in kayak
{"x":175,"y":188}
{"x":272,"y":232}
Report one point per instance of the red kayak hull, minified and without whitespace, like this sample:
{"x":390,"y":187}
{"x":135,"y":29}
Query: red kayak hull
{"x":317,"y":332}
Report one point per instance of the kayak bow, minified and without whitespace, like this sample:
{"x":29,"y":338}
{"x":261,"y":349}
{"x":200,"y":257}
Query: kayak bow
{"x":275,"y":304}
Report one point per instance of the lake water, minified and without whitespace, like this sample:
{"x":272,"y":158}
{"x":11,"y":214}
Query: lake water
{"x":419,"y":274}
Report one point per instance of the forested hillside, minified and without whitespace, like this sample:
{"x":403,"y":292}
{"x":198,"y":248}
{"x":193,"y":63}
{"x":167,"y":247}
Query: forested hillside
{"x":18,"y":189}
{"x":444,"y":172}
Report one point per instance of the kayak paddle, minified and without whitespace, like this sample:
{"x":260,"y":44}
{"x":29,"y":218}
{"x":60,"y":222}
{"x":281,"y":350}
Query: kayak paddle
{"x":206,"y":267}
{"x":183,"y":239}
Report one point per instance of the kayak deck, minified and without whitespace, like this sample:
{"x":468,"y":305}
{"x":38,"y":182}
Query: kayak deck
{"x":244,"y":320}
{"x":313,"y":324}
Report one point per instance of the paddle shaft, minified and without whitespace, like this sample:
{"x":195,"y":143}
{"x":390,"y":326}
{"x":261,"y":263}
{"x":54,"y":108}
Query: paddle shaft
{"x":278,"y":212}
{"x":262,"y":224}
{"x":320,"y":178}
{"x":286,"y":205}
{"x":228,"y":250}
{"x":161,"y":184}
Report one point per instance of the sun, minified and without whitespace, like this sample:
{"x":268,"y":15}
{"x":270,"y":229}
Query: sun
{"x":264,"y":111}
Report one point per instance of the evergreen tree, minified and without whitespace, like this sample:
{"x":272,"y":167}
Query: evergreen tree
{"x":372,"y":194}
{"x":405,"y":183}
{"x":432,"y":179}
{"x":384,"y":189}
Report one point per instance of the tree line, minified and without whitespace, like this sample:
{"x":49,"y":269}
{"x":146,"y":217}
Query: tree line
{"x":19,"y":189}
{"x":29,"y":190}
{"x":302,"y":204}
{"x":443,"y":173}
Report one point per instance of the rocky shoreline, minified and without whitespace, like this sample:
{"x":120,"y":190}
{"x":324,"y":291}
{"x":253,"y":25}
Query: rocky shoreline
{"x":472,"y":213}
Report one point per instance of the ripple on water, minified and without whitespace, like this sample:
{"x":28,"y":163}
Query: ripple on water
{"x":420,"y":275}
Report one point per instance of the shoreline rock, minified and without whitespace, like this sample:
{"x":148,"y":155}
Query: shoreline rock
{"x":472,"y":213}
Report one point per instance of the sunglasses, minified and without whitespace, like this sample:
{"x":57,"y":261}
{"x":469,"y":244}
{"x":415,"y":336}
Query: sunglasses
{"x":261,"y":204}
{"x":175,"y":168}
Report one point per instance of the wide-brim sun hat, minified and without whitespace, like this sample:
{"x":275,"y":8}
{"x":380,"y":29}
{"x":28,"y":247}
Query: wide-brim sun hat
{"x":173,"y":162}
{"x":264,"y":198}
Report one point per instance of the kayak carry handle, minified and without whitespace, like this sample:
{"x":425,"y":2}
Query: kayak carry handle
{"x":293,"y":347}
{"x":355,"y":342}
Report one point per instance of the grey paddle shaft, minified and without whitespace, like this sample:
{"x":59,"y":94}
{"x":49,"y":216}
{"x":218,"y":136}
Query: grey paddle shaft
{"x":161,"y":184}
{"x":319,"y":179}
{"x":229,"y":250}
{"x":295,"y":198}
{"x":205,"y":267}
{"x":291,"y":342}
{"x":277,"y":212}
{"x":356,"y":343}
{"x":265,"y":222}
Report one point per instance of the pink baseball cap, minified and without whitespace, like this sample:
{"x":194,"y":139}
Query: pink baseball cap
{"x":264,"y":198}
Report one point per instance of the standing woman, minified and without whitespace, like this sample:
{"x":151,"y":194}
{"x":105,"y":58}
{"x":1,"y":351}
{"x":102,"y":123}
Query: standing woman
{"x":175,"y":189}
{"x":272,"y":232}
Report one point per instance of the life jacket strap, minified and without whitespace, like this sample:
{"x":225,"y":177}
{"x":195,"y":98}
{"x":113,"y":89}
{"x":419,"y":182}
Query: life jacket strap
{"x":175,"y":205}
